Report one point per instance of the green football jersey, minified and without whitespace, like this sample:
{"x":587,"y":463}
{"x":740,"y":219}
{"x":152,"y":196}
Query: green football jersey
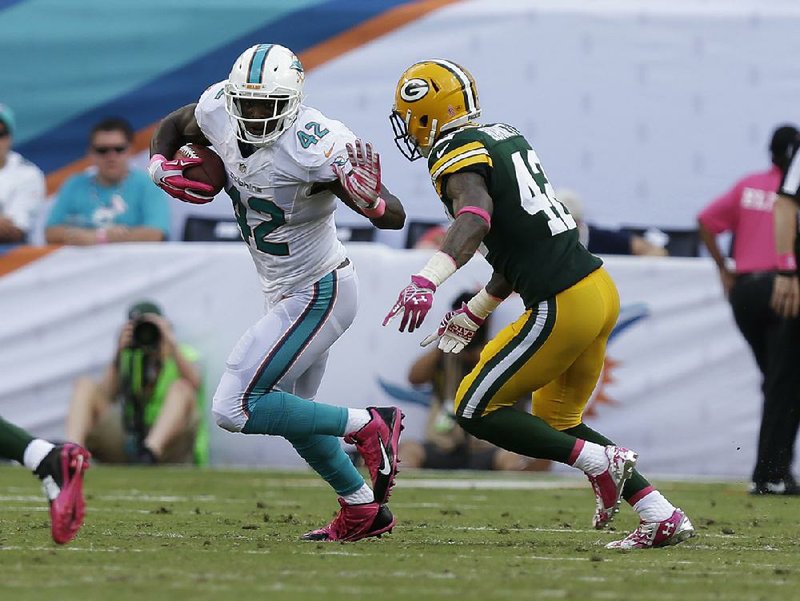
{"x":533,"y":241}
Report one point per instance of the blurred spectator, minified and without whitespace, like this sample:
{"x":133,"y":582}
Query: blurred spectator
{"x":21,"y":186}
{"x":447,"y":446}
{"x":148,"y":406}
{"x":603,"y":241}
{"x":432,"y":237}
{"x":746,"y":210}
{"x":111,"y":202}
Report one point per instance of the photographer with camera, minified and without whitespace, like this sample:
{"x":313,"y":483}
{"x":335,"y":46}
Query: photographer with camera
{"x":147,"y":408}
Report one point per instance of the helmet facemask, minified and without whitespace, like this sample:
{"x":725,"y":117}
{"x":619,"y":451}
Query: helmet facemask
{"x":263,"y":93}
{"x":404,"y":141}
{"x":260,"y":118}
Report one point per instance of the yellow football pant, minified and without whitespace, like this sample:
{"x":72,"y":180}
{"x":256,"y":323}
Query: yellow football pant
{"x":554,"y":351}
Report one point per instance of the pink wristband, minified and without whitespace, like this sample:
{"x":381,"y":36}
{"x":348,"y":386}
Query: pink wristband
{"x":378,"y":211}
{"x":101,"y":235}
{"x":787,"y":262}
{"x":483,"y":214}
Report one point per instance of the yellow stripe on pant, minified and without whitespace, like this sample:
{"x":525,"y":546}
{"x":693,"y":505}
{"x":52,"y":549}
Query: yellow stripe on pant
{"x":554,"y":350}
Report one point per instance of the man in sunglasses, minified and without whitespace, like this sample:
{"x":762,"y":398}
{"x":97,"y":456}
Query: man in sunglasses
{"x":109,"y":202}
{"x":21,"y":186}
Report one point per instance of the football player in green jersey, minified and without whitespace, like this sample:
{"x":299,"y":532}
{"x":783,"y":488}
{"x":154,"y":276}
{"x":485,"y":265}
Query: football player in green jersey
{"x":492,"y":184}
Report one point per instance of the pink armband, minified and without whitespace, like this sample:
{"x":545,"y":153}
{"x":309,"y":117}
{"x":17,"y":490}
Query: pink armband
{"x":787,"y":262}
{"x":483,"y":214}
{"x":101,"y":235}
{"x":377,"y":211}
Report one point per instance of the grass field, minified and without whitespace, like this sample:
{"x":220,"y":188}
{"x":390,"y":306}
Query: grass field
{"x":182,"y":534}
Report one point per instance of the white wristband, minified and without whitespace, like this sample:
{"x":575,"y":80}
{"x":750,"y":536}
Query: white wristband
{"x":440,"y":267}
{"x":483,"y":303}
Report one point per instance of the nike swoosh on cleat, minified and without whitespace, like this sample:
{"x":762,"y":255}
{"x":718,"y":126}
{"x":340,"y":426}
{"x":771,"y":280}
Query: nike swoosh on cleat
{"x":386,"y":468}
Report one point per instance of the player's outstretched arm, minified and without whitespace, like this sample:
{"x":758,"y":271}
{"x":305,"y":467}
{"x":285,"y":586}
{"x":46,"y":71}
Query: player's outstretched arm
{"x":472,"y":209}
{"x":458,"y":327}
{"x":394,"y":217}
{"x":359,"y":186}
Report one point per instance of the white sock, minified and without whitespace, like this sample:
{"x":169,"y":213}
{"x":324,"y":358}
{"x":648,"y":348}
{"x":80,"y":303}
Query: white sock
{"x":35,"y":452}
{"x":653,"y":507}
{"x":361,"y":496}
{"x":592,"y":459}
{"x":356,"y":419}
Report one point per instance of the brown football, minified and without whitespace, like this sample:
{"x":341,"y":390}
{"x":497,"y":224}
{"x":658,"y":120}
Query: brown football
{"x":211,"y":171}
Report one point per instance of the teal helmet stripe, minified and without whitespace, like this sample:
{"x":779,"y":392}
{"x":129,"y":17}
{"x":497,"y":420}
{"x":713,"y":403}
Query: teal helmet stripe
{"x":257,"y":63}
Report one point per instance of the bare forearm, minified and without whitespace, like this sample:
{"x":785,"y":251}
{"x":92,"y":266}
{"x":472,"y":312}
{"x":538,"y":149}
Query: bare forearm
{"x":394,"y":217}
{"x":187,"y":369}
{"x":710,"y":240}
{"x":785,"y":212}
{"x":78,"y":236}
{"x":10,"y":232}
{"x":464,"y":237}
{"x":135,"y":234}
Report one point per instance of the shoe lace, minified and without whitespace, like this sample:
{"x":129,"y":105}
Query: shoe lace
{"x":643,"y":534}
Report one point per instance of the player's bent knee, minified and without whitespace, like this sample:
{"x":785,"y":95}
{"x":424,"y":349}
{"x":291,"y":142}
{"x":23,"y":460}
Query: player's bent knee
{"x":226,"y":417}
{"x":470,"y":424}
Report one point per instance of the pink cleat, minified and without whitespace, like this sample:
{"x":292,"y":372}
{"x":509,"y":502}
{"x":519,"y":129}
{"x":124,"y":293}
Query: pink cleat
{"x":608,"y":485}
{"x":354,"y":522}
{"x":377,"y":444}
{"x":61,"y":473}
{"x":672,"y":531}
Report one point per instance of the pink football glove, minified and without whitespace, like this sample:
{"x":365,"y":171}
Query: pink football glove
{"x":456,"y":331}
{"x":363,"y":182}
{"x":414,"y":301}
{"x":168,"y":175}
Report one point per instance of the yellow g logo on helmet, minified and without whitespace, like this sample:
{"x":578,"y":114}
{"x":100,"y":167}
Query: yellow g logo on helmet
{"x":432,"y":97}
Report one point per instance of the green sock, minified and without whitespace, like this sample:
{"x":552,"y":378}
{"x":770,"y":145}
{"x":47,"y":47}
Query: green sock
{"x":521,"y":433}
{"x":637,"y":481}
{"x":13,"y":441}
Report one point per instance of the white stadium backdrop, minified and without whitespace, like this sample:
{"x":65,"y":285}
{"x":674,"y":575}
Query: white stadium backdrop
{"x":681,"y":387}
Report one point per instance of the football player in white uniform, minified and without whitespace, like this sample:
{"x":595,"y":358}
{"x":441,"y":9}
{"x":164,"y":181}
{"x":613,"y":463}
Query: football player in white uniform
{"x":286,"y":164}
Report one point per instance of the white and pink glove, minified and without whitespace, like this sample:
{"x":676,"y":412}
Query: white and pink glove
{"x":456,"y":330}
{"x":168,"y":175}
{"x":363,"y":181}
{"x":415,"y":300}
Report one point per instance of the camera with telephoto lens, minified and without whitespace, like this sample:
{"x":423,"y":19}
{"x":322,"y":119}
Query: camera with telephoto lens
{"x":146,"y":334}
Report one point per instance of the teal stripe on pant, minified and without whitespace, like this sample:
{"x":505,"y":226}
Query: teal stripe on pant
{"x":284,"y":354}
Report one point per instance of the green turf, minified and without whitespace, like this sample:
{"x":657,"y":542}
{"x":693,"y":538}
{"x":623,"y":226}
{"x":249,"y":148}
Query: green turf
{"x":175,"y":534}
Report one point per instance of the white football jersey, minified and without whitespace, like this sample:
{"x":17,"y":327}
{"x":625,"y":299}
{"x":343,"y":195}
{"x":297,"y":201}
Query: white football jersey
{"x":291,"y":233}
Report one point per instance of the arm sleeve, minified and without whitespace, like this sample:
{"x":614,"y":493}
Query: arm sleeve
{"x":61,"y":205}
{"x":27,"y":197}
{"x":470,"y":155}
{"x":722,"y":215}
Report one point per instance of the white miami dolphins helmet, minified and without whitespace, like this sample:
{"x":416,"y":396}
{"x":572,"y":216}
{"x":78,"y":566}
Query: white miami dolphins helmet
{"x":263,"y":93}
